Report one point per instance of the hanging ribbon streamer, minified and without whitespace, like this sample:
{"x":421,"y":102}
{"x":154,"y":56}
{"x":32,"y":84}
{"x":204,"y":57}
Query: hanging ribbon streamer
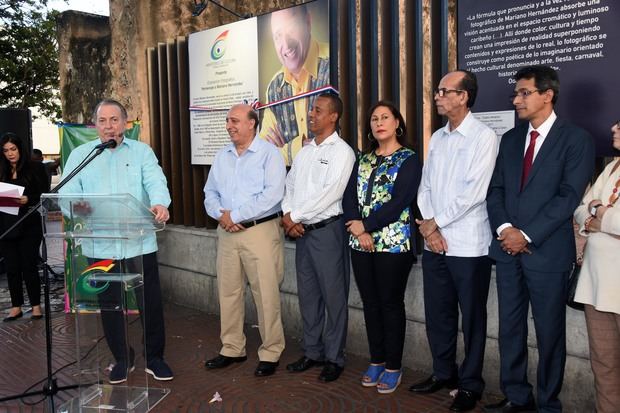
{"x":260,"y":106}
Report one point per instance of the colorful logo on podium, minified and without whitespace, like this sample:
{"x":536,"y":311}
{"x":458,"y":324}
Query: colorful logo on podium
{"x":219,"y":46}
{"x":87,"y":284}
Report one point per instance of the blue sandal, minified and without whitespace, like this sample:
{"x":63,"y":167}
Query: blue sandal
{"x":389,"y":381}
{"x":372,"y":375}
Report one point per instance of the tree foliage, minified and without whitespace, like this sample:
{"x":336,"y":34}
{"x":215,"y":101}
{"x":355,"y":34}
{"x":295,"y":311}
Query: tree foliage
{"x":29,"y":56}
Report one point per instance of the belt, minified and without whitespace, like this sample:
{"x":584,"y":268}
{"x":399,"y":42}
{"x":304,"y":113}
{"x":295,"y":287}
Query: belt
{"x":249,"y":224}
{"x":321,"y":224}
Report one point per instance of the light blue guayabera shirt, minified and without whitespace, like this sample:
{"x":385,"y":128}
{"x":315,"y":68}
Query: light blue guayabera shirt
{"x":131,"y":168}
{"x":251,"y":186}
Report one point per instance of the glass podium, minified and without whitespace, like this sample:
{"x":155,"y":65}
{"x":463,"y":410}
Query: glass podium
{"x":103,"y":237}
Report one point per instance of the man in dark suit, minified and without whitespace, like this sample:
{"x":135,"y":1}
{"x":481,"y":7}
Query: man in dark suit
{"x":540,"y":175}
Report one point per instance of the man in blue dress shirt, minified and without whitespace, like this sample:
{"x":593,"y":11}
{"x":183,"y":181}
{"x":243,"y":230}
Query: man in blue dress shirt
{"x":129,"y":168}
{"x":243,"y":193}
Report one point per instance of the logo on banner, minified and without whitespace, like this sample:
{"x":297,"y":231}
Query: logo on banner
{"x":219,"y":47}
{"x":86,"y":285}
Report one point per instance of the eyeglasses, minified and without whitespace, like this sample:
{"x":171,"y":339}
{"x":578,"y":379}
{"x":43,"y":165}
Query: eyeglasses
{"x":523,"y":94}
{"x":443,"y":91}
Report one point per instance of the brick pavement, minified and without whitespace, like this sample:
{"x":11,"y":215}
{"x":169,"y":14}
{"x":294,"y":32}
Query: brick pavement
{"x":192,"y":337}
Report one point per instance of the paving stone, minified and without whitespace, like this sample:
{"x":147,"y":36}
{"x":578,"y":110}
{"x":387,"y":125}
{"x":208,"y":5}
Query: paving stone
{"x":193,"y":337}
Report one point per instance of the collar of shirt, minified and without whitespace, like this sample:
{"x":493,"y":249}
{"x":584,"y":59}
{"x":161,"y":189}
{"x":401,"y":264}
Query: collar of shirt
{"x":465,"y":128}
{"x":330,"y":140}
{"x":254,"y":146}
{"x":124,"y":142}
{"x":310,"y":66}
{"x":543,"y":130}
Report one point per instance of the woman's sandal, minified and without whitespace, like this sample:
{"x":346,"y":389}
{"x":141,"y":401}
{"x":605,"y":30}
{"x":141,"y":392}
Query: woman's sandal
{"x":389,"y":381}
{"x":372,"y":375}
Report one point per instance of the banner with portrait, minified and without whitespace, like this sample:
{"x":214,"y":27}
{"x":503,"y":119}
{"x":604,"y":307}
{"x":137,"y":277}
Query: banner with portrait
{"x":277,"y":62}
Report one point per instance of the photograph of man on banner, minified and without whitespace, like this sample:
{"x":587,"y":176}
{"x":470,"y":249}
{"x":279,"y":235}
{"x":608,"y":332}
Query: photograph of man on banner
{"x":293,"y":70}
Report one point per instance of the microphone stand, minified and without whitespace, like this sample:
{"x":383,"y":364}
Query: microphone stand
{"x":50,"y":387}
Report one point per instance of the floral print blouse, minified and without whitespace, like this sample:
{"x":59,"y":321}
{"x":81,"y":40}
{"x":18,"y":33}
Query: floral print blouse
{"x":375,"y":184}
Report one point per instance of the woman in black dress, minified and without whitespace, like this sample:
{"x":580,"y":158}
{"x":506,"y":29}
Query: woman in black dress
{"x":20,"y":247}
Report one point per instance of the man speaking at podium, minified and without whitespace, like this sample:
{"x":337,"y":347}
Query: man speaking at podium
{"x":127,"y":167}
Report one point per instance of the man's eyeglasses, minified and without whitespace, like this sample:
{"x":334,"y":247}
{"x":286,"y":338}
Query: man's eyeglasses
{"x":443,"y":91}
{"x":523,"y":94}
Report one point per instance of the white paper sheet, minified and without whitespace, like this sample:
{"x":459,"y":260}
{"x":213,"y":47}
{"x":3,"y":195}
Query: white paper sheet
{"x":10,"y":191}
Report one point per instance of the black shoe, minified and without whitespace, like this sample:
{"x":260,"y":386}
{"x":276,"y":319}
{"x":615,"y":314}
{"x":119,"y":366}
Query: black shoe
{"x":433,"y":384}
{"x":506,"y":406}
{"x":303,"y":364}
{"x":465,"y":401}
{"x":266,"y":368}
{"x":36,"y":316}
{"x":121,"y":369}
{"x":331,"y":371}
{"x":13,"y":317}
{"x":159,"y":369}
{"x":223,"y":361}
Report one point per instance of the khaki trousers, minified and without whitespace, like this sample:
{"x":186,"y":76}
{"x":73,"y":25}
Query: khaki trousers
{"x":604,"y":337}
{"x":258,"y":254}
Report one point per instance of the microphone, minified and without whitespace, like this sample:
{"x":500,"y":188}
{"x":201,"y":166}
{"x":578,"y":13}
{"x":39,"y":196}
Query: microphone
{"x":109,"y":144}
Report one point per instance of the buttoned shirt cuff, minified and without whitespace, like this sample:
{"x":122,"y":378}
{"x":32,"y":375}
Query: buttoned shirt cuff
{"x":528,"y":239}
{"x":439,"y":221}
{"x":294,"y":217}
{"x":509,"y":225}
{"x":153,"y":203}
{"x":502,"y":227}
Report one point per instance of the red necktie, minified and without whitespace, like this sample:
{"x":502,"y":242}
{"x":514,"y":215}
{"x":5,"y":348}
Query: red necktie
{"x":528,"y":160}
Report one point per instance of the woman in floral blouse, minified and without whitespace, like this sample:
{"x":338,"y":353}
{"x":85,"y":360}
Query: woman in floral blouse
{"x":378,"y":213}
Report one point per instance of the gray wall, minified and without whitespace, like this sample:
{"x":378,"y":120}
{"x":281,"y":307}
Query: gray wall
{"x":187,"y":265}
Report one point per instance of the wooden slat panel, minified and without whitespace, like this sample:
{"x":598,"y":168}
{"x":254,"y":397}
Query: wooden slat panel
{"x":153,"y":81}
{"x":184,"y":135}
{"x":411,"y":71}
{"x":388,"y":50}
{"x":164,"y":123}
{"x":347,"y":71}
{"x":173,"y":132}
{"x":436,"y":55}
{"x":365,"y":73}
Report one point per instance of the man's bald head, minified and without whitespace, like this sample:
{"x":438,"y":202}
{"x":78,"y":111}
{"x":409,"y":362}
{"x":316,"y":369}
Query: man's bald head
{"x":241,"y":124}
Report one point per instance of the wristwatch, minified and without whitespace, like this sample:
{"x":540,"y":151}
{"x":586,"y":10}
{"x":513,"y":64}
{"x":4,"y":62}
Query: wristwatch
{"x":594,"y":208}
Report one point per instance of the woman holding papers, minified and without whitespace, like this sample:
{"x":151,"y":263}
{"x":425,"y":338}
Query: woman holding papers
{"x":23,"y":182}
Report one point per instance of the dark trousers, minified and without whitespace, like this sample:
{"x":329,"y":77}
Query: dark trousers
{"x":21,"y":256}
{"x":516,"y":288}
{"x":450,"y":283}
{"x":381,"y":278}
{"x":322,"y":265}
{"x":149,"y":302}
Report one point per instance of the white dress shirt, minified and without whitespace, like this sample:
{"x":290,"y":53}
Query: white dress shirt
{"x":317,"y":180}
{"x":543,"y":131}
{"x":455,"y":180}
